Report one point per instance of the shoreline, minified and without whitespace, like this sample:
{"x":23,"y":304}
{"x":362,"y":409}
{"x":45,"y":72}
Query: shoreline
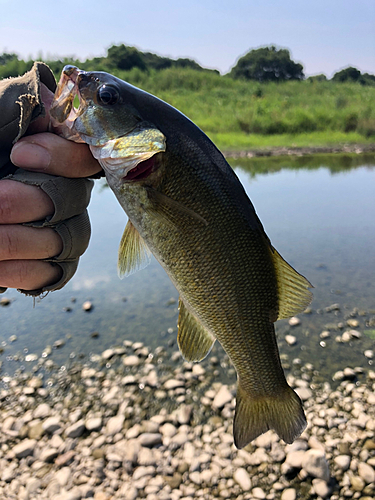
{"x":300,"y":151}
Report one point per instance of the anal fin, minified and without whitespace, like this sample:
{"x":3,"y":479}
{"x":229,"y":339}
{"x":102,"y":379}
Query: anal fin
{"x":133,"y":253}
{"x":293,"y":293}
{"x":194,"y":341}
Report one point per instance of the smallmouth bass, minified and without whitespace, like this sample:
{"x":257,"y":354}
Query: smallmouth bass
{"x":186,"y":206}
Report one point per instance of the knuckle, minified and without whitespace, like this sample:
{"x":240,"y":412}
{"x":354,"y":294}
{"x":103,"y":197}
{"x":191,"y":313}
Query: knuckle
{"x":6,"y":207}
{"x":8,"y":243}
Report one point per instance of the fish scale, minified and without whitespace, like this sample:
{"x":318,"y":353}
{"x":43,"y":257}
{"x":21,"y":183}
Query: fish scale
{"x":190,"y":210}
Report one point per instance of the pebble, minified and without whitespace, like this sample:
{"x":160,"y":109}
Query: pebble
{"x":75,"y":430}
{"x":321,"y":488}
{"x":315,"y":464}
{"x":290,"y":339}
{"x":114,"y":425}
{"x":241,"y":476}
{"x":87,"y":306}
{"x":24,"y":448}
{"x":366,"y":472}
{"x":51,"y":425}
{"x":104,"y":435}
{"x":131,"y":360}
{"x":342,"y":462}
{"x":294,"y":321}
{"x":289,"y":494}
{"x":223,"y":397}
{"x":150,"y":439}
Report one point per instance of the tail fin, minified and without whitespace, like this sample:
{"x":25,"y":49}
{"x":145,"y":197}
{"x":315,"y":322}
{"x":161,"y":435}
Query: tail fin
{"x":282,"y":413}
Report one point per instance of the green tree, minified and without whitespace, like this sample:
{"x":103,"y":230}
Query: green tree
{"x":5,"y":58}
{"x":124,"y":57}
{"x":348,"y":74}
{"x":267,"y":64}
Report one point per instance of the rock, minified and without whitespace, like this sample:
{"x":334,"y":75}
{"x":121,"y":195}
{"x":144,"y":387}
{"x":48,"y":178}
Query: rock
{"x":94,"y":424}
{"x":168,"y":430}
{"x":289,"y":494}
{"x":357,"y":483}
{"x":143,"y":471}
{"x":369,"y":354}
{"x":366,"y":472}
{"x":114,"y":425}
{"x":321,"y":488}
{"x":52,"y":425}
{"x":258,"y":493}
{"x":36,"y":431}
{"x":132,"y":360}
{"x":304,"y":393}
{"x":295,"y":458}
{"x":241,"y":476}
{"x":42,"y":411}
{"x":150,"y":439}
{"x":87,"y":306}
{"x":65,"y":458}
{"x":33,"y":484}
{"x":108,"y":354}
{"x":294,"y":321}
{"x":63,"y":475}
{"x":290,"y":339}
{"x":24,"y":449}
{"x":342,"y":462}
{"x":75,"y":430}
{"x":173,"y":384}
{"x":184,"y":414}
{"x":315,"y":464}
{"x":9,"y":473}
{"x":48,"y":455}
{"x":223,"y":397}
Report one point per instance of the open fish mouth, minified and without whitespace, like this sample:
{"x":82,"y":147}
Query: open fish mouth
{"x":63,"y":113}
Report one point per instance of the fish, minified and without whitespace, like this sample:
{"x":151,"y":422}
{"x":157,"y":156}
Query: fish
{"x":186,"y":206}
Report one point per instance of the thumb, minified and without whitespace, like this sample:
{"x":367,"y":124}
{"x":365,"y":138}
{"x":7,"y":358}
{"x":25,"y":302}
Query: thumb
{"x":52,"y":154}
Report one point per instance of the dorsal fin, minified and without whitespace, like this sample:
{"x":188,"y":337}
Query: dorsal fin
{"x":194,"y":341}
{"x":133,"y":253}
{"x":293,"y":293}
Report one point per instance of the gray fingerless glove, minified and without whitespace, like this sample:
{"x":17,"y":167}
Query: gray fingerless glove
{"x":20,"y":105}
{"x":70,"y":219}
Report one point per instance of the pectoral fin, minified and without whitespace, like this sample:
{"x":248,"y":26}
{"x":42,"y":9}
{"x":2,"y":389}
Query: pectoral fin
{"x":133,"y":252}
{"x":170,"y":211}
{"x":293,"y":292}
{"x":194,"y":341}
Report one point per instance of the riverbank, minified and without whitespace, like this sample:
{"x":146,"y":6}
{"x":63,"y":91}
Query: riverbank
{"x":134,"y":423}
{"x":300,"y":151}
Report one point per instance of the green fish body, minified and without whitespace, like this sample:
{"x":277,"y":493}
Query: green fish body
{"x":186,"y":206}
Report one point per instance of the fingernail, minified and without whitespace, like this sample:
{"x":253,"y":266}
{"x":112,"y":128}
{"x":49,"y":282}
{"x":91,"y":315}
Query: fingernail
{"x":30,"y":155}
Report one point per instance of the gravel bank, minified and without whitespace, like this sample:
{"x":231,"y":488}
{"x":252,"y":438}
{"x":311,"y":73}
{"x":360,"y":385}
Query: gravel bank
{"x":139,"y":424}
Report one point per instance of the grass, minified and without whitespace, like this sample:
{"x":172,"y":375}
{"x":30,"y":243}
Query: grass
{"x":247,"y":115}
{"x":234,"y":141}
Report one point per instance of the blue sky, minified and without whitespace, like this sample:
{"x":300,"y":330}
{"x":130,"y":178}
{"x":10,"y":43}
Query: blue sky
{"x":324,"y":36}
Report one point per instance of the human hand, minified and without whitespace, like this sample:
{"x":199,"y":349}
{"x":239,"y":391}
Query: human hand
{"x":23,"y":248}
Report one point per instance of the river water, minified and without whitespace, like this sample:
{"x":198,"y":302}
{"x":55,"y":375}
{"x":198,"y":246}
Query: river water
{"x":319,"y":213}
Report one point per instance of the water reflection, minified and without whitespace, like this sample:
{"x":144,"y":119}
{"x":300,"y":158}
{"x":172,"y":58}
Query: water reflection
{"x":319,"y":212}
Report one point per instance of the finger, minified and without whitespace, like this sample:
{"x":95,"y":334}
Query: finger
{"x":21,"y":242}
{"x":52,"y":154}
{"x":28,"y":274}
{"x":23,"y":203}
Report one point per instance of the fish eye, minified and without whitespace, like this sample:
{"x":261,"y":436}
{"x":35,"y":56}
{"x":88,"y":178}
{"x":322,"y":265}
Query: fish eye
{"x":107,"y":95}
